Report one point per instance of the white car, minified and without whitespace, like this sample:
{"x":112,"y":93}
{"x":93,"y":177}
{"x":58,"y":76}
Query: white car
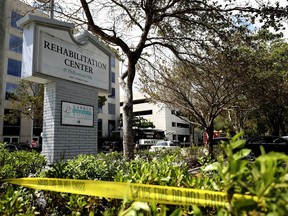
{"x":164,"y":145}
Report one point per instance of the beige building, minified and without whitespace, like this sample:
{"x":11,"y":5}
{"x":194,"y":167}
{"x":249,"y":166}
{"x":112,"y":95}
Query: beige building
{"x":109,"y":114}
{"x":10,"y":74}
{"x":162,"y":117}
{"x":10,"y":65}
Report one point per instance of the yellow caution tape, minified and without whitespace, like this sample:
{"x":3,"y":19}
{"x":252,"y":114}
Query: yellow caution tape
{"x":131,"y":191}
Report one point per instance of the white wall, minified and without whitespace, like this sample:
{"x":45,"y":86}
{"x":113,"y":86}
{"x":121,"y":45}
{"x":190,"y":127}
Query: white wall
{"x":161,"y":117}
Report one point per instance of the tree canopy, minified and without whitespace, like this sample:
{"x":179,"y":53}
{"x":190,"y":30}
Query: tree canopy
{"x":200,"y":90}
{"x":267,"y":85}
{"x":247,"y":82}
{"x":28,"y":98}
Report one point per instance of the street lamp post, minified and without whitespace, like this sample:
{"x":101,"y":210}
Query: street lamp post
{"x":32,"y":123}
{"x":32,"y":127}
{"x":51,"y":9}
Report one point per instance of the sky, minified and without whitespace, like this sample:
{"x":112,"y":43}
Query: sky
{"x":282,"y":3}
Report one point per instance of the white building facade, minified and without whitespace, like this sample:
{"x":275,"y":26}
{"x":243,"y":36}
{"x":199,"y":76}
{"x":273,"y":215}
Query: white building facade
{"x":162,"y":117}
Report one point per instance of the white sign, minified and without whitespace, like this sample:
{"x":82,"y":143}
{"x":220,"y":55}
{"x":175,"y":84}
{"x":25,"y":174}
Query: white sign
{"x":70,"y":62}
{"x":77,"y":114}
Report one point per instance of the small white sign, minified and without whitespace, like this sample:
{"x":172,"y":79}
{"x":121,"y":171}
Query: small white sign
{"x":77,"y":114}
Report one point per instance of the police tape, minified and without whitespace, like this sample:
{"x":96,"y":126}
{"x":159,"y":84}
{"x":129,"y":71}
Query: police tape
{"x":131,"y":191}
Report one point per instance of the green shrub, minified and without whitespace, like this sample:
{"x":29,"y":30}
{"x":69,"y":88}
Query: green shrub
{"x":265,"y":178}
{"x":16,"y":201}
{"x":20,"y":164}
{"x":100,"y":167}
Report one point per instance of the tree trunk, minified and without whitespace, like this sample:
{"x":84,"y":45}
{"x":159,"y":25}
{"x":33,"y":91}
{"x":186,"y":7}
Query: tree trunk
{"x":210,"y":131}
{"x":283,"y":128}
{"x":275,"y":125}
{"x":276,"y":129}
{"x":128,"y":145}
{"x":192,"y":135}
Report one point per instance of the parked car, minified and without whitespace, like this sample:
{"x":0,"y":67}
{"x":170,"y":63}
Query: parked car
{"x":176,"y":142}
{"x":11,"y":147}
{"x":164,"y":145}
{"x":109,"y":146}
{"x":269,"y":143}
{"x":106,"y":147}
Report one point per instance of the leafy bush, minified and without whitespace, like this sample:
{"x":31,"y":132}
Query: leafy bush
{"x":162,"y":168}
{"x":20,"y":164}
{"x":266,"y":178}
{"x":16,"y":201}
{"x":100,"y":167}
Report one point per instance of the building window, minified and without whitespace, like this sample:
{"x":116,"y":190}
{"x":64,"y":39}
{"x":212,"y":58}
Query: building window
{"x":12,"y":127}
{"x":111,"y":125}
{"x":174,"y":112}
{"x":140,"y":101}
{"x":101,"y":103}
{"x":14,"y":18}
{"x":14,"y":67}
{"x":15,"y":43}
{"x":113,"y":62}
{"x":173,"y":124}
{"x":112,"y":95}
{"x":10,"y":139}
{"x":10,"y":90}
{"x":141,"y":113}
{"x":181,"y":125}
{"x":113,"y":77}
{"x":111,"y":109}
{"x":100,"y":109}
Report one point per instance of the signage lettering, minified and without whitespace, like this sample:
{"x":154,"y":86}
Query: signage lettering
{"x":77,"y":114}
{"x":77,"y":65}
{"x":78,"y":60}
